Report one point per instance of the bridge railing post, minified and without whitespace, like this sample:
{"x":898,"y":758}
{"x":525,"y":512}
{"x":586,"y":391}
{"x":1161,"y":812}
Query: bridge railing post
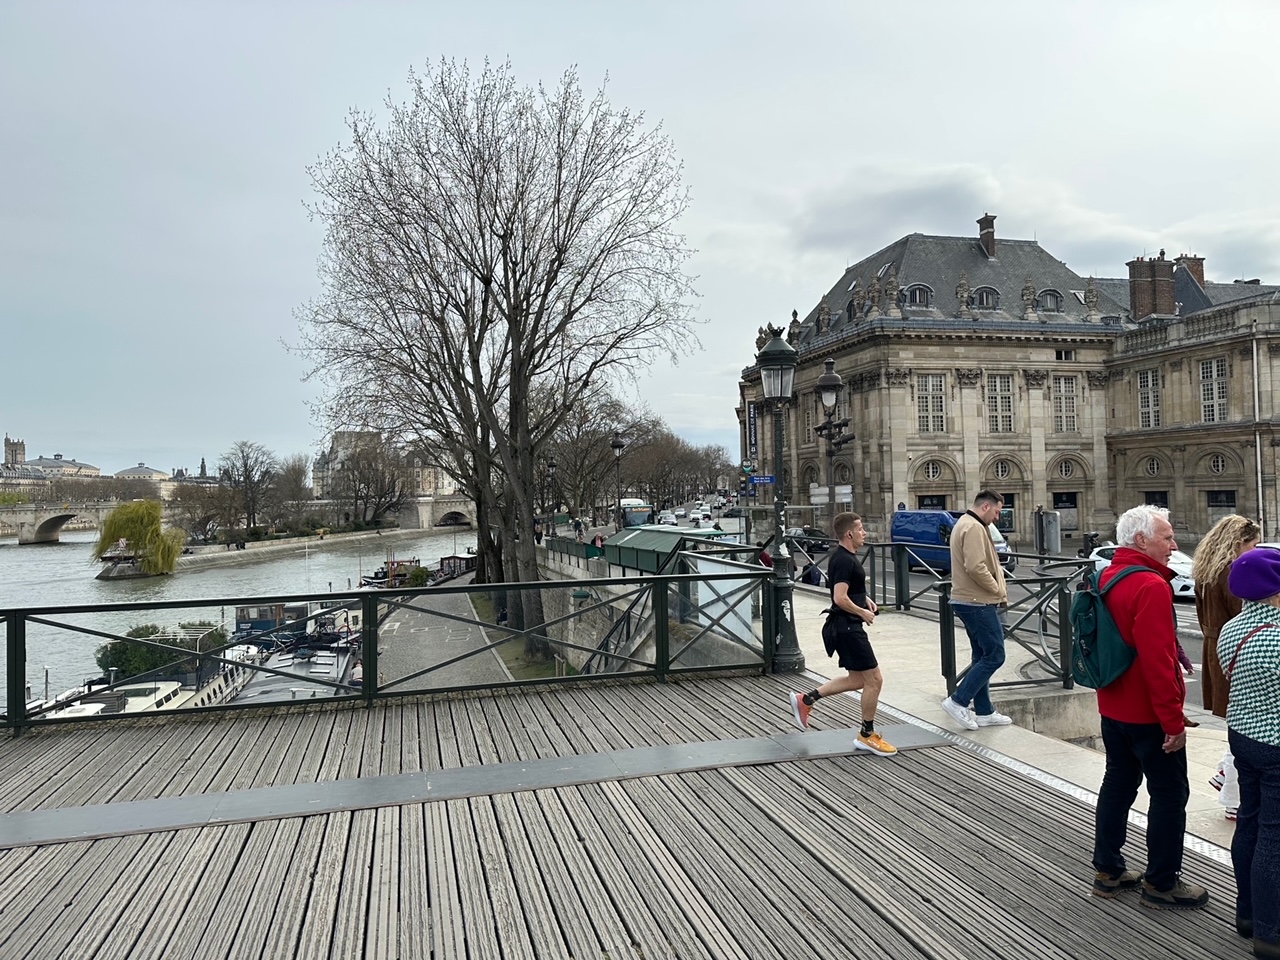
{"x":15,"y":671}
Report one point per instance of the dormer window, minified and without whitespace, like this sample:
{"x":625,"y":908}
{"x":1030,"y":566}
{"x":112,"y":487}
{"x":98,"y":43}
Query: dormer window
{"x":919,"y":296}
{"x":986,"y":298}
{"x":1050,"y":301}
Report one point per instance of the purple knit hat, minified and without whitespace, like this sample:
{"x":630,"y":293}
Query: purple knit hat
{"x":1255,"y":574}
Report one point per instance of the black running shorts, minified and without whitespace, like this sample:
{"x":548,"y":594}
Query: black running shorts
{"x":845,"y":637}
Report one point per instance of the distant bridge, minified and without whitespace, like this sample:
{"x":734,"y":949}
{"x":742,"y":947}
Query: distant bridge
{"x":43,"y":522}
{"x":426,"y":512}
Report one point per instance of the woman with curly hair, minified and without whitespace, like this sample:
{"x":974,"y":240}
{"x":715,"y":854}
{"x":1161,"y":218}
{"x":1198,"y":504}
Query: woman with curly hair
{"x":1215,"y":604}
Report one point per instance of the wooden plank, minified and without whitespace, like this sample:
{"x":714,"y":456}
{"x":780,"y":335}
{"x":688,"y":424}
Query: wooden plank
{"x":110,"y":903}
{"x":692,"y":859}
{"x":26,"y":770}
{"x":255,"y":892}
{"x":510,"y":841}
{"x":151,"y":918}
{"x":796,"y":886}
{"x":352,"y":905}
{"x":318,"y":922}
{"x":38,"y":910}
{"x":221,"y":908}
{"x":281,"y":937}
{"x":382,"y":931}
{"x":640,"y":886}
{"x":486,"y":903}
{"x":192,"y":917}
{"x":444,"y":875}
{"x":413,"y":916}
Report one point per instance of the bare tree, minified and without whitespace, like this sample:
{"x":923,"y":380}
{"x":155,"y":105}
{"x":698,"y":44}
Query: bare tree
{"x":290,"y":494}
{"x":492,"y":253}
{"x":251,"y":469}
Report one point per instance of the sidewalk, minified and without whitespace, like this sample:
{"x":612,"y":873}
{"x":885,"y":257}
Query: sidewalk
{"x":908,"y":650}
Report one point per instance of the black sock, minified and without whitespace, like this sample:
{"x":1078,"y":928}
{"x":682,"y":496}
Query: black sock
{"x":811,"y":698}
{"x":868,"y":727}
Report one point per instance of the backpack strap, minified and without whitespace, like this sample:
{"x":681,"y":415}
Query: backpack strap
{"x":1132,"y":568}
{"x":1240,"y":646}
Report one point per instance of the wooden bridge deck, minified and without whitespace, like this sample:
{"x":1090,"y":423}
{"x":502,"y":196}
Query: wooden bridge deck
{"x":937,"y":852}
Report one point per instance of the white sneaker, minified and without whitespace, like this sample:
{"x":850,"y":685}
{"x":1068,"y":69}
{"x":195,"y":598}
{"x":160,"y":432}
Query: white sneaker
{"x":959,"y":714}
{"x":993,"y":719}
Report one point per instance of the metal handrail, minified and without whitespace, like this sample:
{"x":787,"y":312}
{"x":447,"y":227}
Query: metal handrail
{"x":375,"y":606}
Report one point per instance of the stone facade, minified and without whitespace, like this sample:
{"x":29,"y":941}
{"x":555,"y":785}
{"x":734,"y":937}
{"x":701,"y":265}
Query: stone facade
{"x":1007,"y":371}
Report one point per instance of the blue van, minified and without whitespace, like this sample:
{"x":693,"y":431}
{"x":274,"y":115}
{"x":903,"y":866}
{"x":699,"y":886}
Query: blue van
{"x":931,"y":529}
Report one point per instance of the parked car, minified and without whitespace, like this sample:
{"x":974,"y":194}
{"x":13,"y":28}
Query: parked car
{"x":679,"y":513}
{"x":929,"y":533}
{"x":733,"y":512}
{"x":810,"y":539}
{"x":1183,"y":584}
{"x":667,"y":518}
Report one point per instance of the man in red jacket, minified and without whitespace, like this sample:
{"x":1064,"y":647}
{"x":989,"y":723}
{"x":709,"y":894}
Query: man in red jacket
{"x":1143,"y":728}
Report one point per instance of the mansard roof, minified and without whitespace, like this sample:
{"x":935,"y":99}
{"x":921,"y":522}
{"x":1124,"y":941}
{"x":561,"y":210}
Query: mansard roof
{"x":938,"y":262}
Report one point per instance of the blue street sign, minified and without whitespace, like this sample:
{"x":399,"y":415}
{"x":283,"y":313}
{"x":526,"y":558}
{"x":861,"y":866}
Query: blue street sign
{"x":760,"y":479}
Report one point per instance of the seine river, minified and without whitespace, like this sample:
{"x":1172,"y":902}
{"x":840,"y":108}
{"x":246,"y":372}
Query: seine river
{"x":62,"y":573}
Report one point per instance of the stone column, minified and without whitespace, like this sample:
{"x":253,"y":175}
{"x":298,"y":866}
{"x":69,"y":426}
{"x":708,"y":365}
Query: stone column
{"x":1038,"y":423}
{"x":969,"y":421}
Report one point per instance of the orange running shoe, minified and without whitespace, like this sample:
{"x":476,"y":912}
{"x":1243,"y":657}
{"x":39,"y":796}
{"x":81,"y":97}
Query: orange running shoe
{"x":875,"y":743}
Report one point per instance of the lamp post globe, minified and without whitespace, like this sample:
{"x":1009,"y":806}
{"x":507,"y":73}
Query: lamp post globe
{"x":777,"y":364}
{"x":618,"y":445}
{"x":829,"y":387}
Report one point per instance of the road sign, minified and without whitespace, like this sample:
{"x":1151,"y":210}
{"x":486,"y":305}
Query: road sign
{"x":761,"y":479}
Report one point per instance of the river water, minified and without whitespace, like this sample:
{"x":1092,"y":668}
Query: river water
{"x":62,"y":573}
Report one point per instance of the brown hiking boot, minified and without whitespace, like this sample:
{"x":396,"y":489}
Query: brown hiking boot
{"x":1105,"y":885}
{"x":1181,"y":896}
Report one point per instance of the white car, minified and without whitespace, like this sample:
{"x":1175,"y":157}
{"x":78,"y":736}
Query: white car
{"x":679,"y":513}
{"x":667,"y":518}
{"x":1184,"y":586}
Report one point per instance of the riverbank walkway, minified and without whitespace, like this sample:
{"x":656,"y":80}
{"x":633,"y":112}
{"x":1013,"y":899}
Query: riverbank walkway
{"x":620,"y":819}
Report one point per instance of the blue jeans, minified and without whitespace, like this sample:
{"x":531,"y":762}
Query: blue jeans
{"x":1255,"y":851}
{"x":986,"y":640}
{"x":1134,"y":751}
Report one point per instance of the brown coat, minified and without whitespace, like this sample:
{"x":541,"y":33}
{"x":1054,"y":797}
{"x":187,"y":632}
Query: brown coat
{"x":1215,"y":605}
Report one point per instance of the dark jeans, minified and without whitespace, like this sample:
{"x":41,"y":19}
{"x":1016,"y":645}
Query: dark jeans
{"x":986,"y":641}
{"x":1134,"y":751}
{"x":1255,"y":851}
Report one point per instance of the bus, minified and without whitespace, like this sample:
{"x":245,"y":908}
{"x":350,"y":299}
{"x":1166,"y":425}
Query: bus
{"x":636,"y":513}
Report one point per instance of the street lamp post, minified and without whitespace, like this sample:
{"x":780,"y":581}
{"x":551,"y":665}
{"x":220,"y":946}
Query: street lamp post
{"x":777,"y":364}
{"x":618,"y":445}
{"x":829,"y":385}
{"x":551,"y":481}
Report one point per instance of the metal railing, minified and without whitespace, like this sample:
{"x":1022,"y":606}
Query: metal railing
{"x":408,"y":642}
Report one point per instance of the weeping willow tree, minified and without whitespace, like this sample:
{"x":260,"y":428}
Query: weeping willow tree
{"x":138,"y":525}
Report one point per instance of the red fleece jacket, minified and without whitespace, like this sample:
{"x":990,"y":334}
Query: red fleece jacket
{"x":1152,"y":690}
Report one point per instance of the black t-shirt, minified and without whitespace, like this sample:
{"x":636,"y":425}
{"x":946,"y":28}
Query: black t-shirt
{"x":845,"y":568}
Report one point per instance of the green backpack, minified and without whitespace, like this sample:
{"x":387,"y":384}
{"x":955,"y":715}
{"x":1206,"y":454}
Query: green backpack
{"x":1099,"y":654}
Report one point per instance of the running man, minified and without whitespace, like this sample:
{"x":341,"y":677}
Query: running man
{"x":845,"y":634}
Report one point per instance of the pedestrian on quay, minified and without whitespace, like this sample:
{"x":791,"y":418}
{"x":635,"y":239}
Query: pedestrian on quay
{"x":577,"y":528}
{"x":845,"y":634}
{"x":1143,"y":728}
{"x":1215,"y":605}
{"x":978,"y":596}
{"x":1249,"y":655}
{"x":765,"y":559}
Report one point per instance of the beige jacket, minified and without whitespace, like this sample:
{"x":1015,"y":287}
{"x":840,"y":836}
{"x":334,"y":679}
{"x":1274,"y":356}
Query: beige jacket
{"x":976,"y":574}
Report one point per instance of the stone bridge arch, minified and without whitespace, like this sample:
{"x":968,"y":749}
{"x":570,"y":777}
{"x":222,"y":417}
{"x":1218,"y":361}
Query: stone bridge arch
{"x":44,"y":528}
{"x":427,"y":512}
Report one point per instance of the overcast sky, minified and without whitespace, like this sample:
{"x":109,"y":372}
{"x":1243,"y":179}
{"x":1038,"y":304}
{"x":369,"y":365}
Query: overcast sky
{"x":154,"y":245}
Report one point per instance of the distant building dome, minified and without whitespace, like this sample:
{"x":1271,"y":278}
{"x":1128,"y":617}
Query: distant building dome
{"x":141,"y":472}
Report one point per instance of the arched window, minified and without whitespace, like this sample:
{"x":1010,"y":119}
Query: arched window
{"x":986,"y":298}
{"x":1002,"y":470}
{"x":1153,"y":467}
{"x":932,"y":470}
{"x":919,"y":295}
{"x":1066,"y":469}
{"x":1217,"y":463}
{"x":1050,"y":301}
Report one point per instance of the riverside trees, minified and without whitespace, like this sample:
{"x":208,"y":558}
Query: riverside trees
{"x":493,"y":254}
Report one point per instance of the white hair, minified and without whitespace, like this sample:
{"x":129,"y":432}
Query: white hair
{"x":1139,"y":520}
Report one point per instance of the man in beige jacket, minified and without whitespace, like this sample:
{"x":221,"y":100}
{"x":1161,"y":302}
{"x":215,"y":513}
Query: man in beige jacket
{"x":978,"y":594}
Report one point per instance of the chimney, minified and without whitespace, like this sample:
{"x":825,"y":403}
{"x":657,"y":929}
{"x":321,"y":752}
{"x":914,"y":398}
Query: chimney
{"x":1162,"y":286}
{"x":987,"y":234}
{"x":1193,"y":265}
{"x":1142,"y":297}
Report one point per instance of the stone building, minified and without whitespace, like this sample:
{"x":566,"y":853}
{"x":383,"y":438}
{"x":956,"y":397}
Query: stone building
{"x":970,"y":362}
{"x":15,"y":451}
{"x":60,"y":466}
